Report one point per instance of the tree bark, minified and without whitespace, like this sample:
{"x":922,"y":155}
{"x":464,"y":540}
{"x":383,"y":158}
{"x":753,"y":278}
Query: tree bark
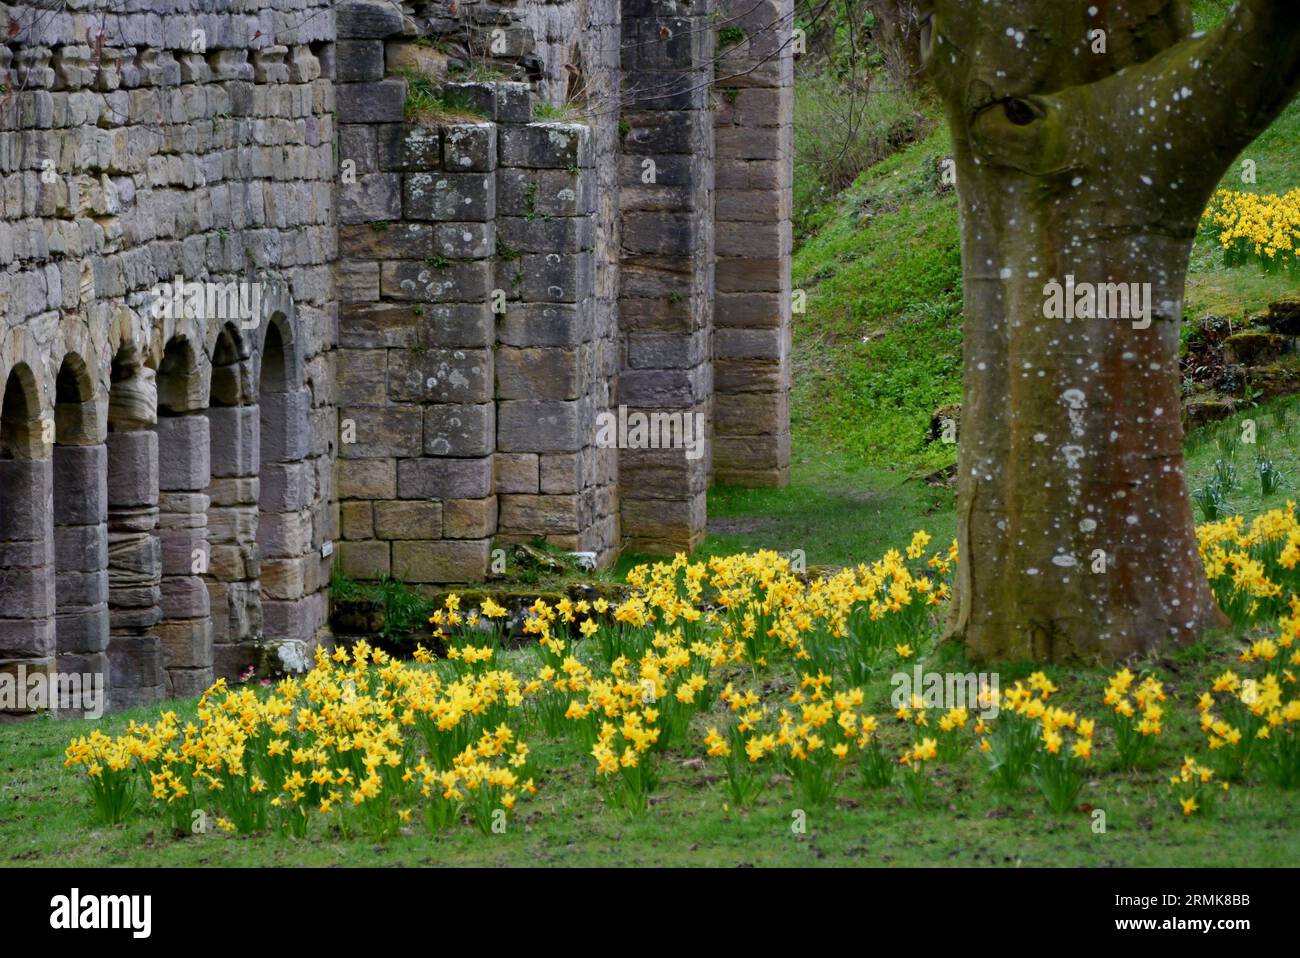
{"x":1075,"y":529}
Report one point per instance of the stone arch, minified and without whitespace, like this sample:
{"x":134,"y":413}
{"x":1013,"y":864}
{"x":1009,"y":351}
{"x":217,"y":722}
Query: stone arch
{"x":82,"y":346}
{"x":27,"y":642}
{"x":286,"y":535}
{"x":184,"y":472}
{"x":274,"y":375}
{"x":231,"y":375}
{"x":80,"y":513}
{"x":279,"y":333}
{"x":180,"y":382}
{"x":76,"y":411}
{"x":134,"y":551}
{"x":20,"y":416}
{"x":233,"y":590}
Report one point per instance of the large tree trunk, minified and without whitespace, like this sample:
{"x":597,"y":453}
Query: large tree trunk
{"x":1075,"y":530}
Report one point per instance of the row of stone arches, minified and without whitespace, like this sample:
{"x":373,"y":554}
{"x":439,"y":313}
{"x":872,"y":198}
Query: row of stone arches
{"x":135,"y":532}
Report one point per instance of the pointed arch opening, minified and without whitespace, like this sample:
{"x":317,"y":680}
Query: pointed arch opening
{"x":233,"y":591}
{"x":184,"y":473}
{"x":26,"y":533}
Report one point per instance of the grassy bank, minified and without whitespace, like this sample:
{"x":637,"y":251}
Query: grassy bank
{"x":880,"y":345}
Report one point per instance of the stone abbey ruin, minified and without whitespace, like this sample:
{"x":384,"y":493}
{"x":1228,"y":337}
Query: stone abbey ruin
{"x":291,"y":283}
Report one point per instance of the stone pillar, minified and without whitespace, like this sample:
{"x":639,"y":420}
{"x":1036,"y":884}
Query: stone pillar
{"x":598,"y":99}
{"x":417,"y":426}
{"x":81,"y":559}
{"x":446,"y":512}
{"x":284,"y":533}
{"x":754,"y":105}
{"x":373,"y":435}
{"x":134,"y":553}
{"x":27,"y":638}
{"x":184,"y":469}
{"x":666,"y":299}
{"x":234,"y":594}
{"x":548,"y":383}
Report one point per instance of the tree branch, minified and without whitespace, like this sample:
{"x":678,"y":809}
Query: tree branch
{"x":1166,"y":127}
{"x":1250,"y":64}
{"x":1194,"y":107}
{"x":1022,"y":47}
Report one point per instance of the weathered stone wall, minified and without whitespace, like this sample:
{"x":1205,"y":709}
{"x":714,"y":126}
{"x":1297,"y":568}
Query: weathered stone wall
{"x":469,"y":377}
{"x":452,"y":304}
{"x":605,"y":255}
{"x":140,"y":142}
{"x":417,"y":237}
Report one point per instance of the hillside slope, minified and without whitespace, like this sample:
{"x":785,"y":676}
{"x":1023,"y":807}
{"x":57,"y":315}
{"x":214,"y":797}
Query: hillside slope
{"x":880,"y":344}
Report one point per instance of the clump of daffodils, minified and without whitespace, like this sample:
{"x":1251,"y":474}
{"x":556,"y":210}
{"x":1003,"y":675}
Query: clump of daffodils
{"x":1007,"y":743}
{"x":111,"y":766}
{"x":1031,"y":736}
{"x":1263,"y":227}
{"x":1065,"y":749}
{"x":745,"y":746}
{"x":361,"y":740}
{"x":641,"y":708}
{"x":1195,"y":788}
{"x":916,"y":761}
{"x":1137,"y":715}
{"x":813,"y":738}
{"x":1234,"y":736}
{"x":623,"y":759}
{"x":816,"y":737}
{"x":1259,"y":724}
{"x":1252,"y":568}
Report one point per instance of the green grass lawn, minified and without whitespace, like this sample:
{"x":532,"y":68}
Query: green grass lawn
{"x":836,"y":510}
{"x":46,"y":819}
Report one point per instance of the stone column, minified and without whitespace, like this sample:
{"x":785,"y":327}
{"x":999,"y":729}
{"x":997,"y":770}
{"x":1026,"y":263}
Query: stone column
{"x":284,"y":533}
{"x":234,"y":593}
{"x":666,"y":300}
{"x":415,"y":278}
{"x":184,"y":470}
{"x":27,"y":639}
{"x":548,"y":382}
{"x":373,"y":434}
{"x":598,"y":99}
{"x":446,"y":511}
{"x":81,"y":559}
{"x":134,"y":553}
{"x":754,"y":105}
